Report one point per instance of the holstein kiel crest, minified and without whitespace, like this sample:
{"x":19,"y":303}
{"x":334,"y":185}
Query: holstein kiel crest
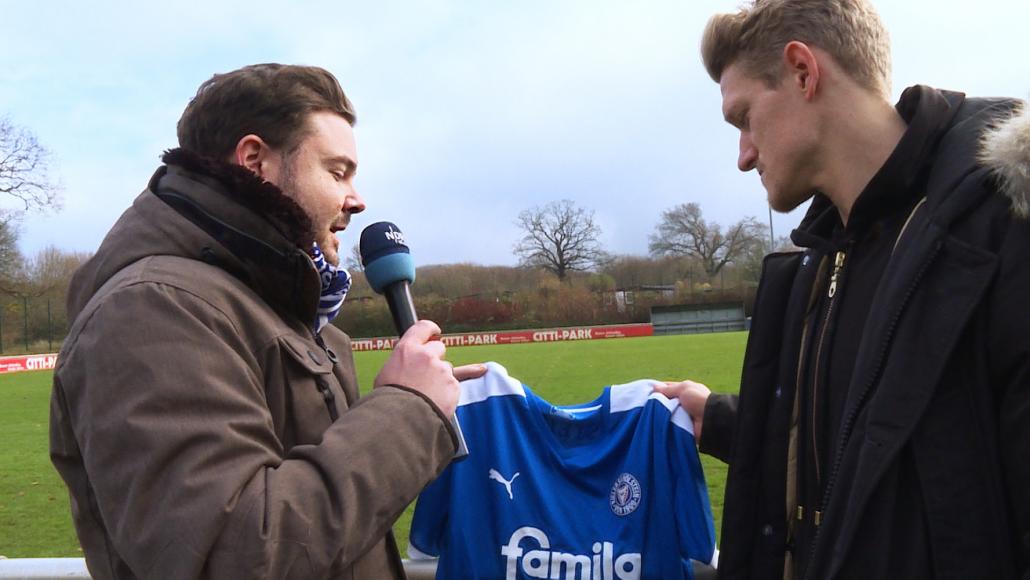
{"x":625,"y":495}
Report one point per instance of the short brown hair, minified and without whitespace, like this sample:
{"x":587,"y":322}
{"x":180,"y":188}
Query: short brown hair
{"x":754,"y":37}
{"x":272,"y":101}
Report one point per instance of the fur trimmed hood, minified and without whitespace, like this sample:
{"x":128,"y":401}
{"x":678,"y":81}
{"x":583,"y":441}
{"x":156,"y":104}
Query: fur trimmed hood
{"x":215,"y":212}
{"x":1005,"y":149}
{"x":246,"y":188}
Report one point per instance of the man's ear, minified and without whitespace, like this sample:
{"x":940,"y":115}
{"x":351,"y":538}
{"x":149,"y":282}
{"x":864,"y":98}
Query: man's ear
{"x":253,"y":153}
{"x":802,"y":68}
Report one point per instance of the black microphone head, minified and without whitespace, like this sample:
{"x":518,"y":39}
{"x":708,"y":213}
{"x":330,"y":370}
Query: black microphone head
{"x":385,"y":256}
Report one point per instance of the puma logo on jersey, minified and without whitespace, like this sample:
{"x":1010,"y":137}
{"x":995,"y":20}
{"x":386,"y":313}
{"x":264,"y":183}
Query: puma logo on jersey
{"x":496,"y":476}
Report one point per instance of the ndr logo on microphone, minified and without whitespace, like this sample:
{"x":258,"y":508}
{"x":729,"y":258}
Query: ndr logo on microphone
{"x":394,"y":235}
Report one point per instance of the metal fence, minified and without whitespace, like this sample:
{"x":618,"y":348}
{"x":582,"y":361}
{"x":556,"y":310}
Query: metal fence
{"x":31,"y":324}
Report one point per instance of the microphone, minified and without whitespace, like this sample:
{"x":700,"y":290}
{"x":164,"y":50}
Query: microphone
{"x":390,"y":271}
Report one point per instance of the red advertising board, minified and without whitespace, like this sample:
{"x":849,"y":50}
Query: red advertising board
{"x":522,"y":336}
{"x":32,"y":362}
{"x":38,"y":362}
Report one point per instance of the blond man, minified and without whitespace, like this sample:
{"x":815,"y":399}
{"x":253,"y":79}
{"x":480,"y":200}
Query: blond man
{"x":883,"y":424}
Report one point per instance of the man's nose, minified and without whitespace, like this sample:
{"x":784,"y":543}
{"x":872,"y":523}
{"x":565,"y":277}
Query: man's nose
{"x":353,"y":202}
{"x":748,"y":154}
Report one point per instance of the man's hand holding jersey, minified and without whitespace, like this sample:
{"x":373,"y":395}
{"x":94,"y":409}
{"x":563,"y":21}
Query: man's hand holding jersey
{"x":692,"y":397}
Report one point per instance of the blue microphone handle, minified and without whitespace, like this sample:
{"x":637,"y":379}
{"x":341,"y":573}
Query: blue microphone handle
{"x":402,"y":308}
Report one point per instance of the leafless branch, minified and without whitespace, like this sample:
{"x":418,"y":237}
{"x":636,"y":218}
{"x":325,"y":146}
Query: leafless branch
{"x":559,"y":237}
{"x":25,"y":169}
{"x":683,"y":231}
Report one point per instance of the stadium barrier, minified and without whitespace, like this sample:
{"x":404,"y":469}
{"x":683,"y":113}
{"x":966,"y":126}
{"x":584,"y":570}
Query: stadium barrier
{"x":28,"y":362}
{"x":39,"y":362}
{"x":75,"y":569}
{"x":47,"y":362}
{"x":698,"y":318}
{"x":521,"y":336}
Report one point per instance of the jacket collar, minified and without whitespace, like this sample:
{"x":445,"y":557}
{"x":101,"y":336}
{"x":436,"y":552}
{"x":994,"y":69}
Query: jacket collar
{"x":928,"y":113}
{"x":244,"y":187}
{"x":261,"y":236}
{"x":212,"y":212}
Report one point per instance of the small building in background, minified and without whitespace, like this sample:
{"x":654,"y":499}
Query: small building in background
{"x":698,"y":318}
{"x":623,"y":297}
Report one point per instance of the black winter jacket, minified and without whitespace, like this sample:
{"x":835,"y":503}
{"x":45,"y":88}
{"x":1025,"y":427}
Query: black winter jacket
{"x":938,"y":407}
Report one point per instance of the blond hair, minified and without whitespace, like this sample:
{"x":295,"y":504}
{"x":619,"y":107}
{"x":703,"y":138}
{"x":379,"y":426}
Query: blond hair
{"x":849,"y":30}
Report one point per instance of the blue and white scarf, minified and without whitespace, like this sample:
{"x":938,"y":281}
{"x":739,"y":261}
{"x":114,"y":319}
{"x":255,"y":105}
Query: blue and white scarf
{"x":335,"y":284}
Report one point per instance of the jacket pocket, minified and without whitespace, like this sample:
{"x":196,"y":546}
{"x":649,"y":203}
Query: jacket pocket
{"x":312,"y":401}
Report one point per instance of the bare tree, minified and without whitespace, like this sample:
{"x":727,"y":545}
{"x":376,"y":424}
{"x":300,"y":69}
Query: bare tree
{"x":11,"y":260}
{"x":560,"y":238}
{"x":628,"y":270}
{"x":41,"y":283}
{"x":353,"y":261}
{"x":51,"y":270}
{"x":25,"y":169}
{"x":683,"y":231}
{"x":751,"y":263}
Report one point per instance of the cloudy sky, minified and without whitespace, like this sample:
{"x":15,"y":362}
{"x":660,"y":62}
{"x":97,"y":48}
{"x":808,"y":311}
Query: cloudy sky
{"x":469,"y":111}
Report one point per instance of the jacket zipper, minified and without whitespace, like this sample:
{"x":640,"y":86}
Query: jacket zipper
{"x":799,"y":508}
{"x":835,"y":280}
{"x":849,"y":420}
{"x":323,"y":385}
{"x":838,"y":265}
{"x":207,"y":223}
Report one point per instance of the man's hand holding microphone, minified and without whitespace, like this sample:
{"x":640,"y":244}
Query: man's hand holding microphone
{"x":417,"y":361}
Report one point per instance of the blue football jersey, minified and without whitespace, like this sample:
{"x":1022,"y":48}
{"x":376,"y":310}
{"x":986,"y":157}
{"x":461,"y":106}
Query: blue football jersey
{"x":607,"y":490}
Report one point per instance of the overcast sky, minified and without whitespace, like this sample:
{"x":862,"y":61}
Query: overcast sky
{"x":469,"y":111}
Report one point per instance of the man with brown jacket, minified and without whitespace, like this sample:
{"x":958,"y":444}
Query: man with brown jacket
{"x":204,"y":416}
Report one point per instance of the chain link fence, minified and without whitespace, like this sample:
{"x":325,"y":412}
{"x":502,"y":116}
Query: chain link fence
{"x":31,"y":325}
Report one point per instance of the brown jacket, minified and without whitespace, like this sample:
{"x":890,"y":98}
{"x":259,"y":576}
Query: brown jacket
{"x":202,"y":429}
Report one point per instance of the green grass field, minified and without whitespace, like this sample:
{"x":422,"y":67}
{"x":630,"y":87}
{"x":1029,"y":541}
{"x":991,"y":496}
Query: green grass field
{"x":34,"y":516}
